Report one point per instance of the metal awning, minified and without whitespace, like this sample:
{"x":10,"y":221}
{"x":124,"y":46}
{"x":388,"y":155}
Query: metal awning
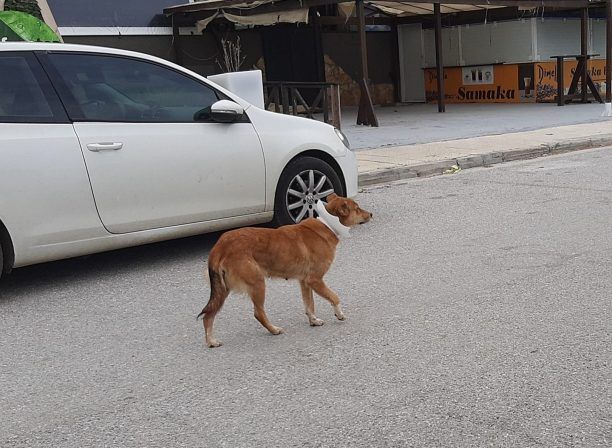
{"x":399,"y":9}
{"x":270,"y":12}
{"x":207,"y":9}
{"x":395,"y":8}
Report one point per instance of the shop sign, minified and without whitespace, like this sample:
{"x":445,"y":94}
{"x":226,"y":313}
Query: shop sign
{"x":511,"y":83}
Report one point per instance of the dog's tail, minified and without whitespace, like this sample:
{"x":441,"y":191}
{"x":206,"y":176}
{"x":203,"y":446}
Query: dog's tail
{"x":218,"y":292}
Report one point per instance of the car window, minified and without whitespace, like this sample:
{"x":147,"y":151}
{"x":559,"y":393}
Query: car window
{"x":26,"y":94}
{"x":108,"y":88}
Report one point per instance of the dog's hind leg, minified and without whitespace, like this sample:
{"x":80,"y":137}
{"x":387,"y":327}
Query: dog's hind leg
{"x":257,"y":292}
{"x":321,"y":288}
{"x":218,"y":294}
{"x":309,"y":305}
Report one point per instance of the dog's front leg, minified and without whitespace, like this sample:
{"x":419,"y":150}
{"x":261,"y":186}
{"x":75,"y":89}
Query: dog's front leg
{"x":309,"y":306}
{"x":321,"y":288}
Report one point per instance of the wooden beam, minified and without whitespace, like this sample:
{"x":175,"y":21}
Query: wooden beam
{"x":609,"y":51}
{"x":336,"y":110}
{"x":365,"y":114}
{"x":395,"y":64}
{"x":178,"y":55}
{"x":560,"y":83}
{"x":439,"y":59}
{"x":338,"y":20}
{"x":584,"y":49}
{"x":363,"y":50}
{"x":320,"y":55}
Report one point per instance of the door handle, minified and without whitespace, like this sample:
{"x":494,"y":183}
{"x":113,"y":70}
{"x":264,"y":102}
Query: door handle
{"x":95,"y":147}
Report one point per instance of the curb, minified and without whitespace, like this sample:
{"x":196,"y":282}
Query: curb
{"x":429,"y":169}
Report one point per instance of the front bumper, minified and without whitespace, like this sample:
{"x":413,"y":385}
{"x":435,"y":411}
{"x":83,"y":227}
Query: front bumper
{"x":349,"y":167}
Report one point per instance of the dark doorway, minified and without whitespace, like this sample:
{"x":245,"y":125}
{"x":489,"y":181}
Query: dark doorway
{"x":293,"y":53}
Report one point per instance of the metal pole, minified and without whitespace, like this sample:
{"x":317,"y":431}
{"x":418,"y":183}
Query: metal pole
{"x":439,"y":61}
{"x":609,"y":51}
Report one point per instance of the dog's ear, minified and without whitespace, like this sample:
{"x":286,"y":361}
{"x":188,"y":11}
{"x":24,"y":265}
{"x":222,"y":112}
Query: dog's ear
{"x":331,"y":197}
{"x":344,"y":210}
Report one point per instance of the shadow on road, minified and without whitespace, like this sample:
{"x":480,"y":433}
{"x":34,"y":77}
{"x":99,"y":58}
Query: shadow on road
{"x":87,"y":268}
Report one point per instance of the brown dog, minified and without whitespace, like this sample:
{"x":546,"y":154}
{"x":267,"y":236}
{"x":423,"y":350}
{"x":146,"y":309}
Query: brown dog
{"x":243,"y":258}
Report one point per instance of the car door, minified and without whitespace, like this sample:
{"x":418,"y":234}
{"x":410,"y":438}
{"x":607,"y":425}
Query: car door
{"x":154,"y":156}
{"x":45,"y":196}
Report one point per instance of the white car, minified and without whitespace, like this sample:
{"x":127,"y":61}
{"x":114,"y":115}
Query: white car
{"x":103,"y":148}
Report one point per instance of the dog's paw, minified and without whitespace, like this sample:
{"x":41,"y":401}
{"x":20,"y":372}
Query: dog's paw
{"x":277,"y":330}
{"x":338,"y":313}
{"x":213,"y":343}
{"x":316,"y":322}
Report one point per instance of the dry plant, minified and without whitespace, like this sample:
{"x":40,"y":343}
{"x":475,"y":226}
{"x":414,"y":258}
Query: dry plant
{"x":232,"y":57}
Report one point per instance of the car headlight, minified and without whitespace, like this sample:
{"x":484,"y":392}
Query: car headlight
{"x":343,"y":138}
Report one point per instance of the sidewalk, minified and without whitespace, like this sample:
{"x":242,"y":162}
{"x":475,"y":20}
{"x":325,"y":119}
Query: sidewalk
{"x":429,"y":159}
{"x":411,"y":124}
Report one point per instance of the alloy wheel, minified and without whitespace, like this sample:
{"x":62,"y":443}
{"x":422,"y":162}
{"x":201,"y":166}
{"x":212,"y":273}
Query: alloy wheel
{"x":305,"y":190}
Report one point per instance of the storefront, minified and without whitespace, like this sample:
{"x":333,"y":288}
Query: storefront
{"x":508,"y":83}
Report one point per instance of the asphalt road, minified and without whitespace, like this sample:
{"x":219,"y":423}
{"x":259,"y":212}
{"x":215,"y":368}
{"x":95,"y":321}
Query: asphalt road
{"x":479,"y":314}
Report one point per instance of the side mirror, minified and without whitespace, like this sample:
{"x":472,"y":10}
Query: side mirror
{"x":225,"y":111}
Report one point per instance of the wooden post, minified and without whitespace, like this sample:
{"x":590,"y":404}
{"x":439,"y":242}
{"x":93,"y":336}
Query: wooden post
{"x":284,"y":91}
{"x":316,"y":23}
{"x":439,"y":60}
{"x":609,"y":51}
{"x":396,"y":71}
{"x":178,"y":56}
{"x":365,"y":114}
{"x":362,"y":40}
{"x":560,"y":82}
{"x":336,"y":113}
{"x":584,"y":50}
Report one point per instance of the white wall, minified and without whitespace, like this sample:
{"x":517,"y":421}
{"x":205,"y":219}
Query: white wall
{"x":514,"y":41}
{"x":481,"y":43}
{"x":511,"y":41}
{"x":558,"y":36}
{"x":478,"y":46}
{"x":598,"y":37}
{"x":450,"y":47}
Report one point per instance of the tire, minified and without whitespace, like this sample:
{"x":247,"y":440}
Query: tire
{"x":303,"y":182}
{"x":1,"y":262}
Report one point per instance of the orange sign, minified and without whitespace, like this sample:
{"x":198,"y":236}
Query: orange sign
{"x":484,"y":84}
{"x":546,"y":77}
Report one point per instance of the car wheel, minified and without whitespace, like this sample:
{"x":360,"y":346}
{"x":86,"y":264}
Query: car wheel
{"x":302,"y":184}
{"x":1,"y":261}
